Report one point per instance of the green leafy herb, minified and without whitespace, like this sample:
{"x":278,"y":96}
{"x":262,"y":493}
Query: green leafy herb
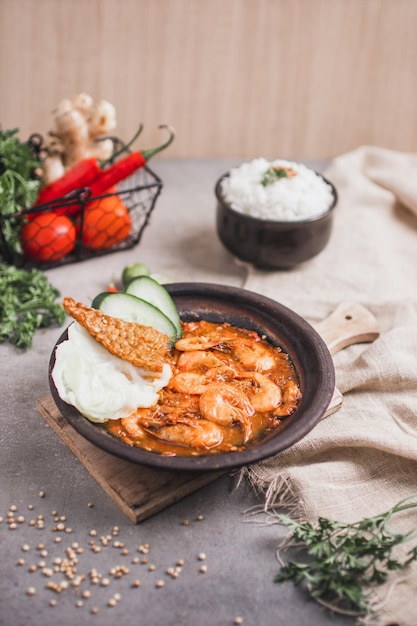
{"x":19,"y":185}
{"x":344,"y":561}
{"x":28,"y":302}
{"x":273,"y":174}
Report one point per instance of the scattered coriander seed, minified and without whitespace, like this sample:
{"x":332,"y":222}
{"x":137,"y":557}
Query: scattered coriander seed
{"x":238,"y":620}
{"x":199,"y":518}
{"x":185,"y":522}
{"x":58,"y":539}
{"x":21,"y":562}
{"x":20,"y":519}
{"x":12,"y":526}
{"x":144,"y":561}
{"x":105,"y":582}
{"x":25,"y":547}
{"x":117,"y":597}
{"x":40,"y":546}
{"x":111,"y":602}
{"x":136,"y":584}
{"x":42,"y":493}
{"x":31,"y":591}
{"x":52,"y":602}
{"x":1,"y":519}
{"x":90,"y":505}
{"x":201,"y":556}
{"x":68,"y":530}
{"x":152,"y":568}
{"x":30,"y":507}
{"x":203,"y":569}
{"x":125,"y":552}
{"x":13,"y":508}
{"x":94,"y":610}
{"x":144,"y":548}
{"x":32,"y":522}
{"x":79,"y":604}
{"x":180,"y":562}
{"x":135,"y":559}
{"x":32,"y":568}
{"x":159,"y":584}
{"x":44,"y":553}
{"x":93,"y":533}
{"x":86,"y":594}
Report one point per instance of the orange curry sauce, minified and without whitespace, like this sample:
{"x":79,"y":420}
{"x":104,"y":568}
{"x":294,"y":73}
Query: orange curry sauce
{"x":230,"y":389}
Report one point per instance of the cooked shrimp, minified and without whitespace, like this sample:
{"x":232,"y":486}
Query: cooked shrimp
{"x":198,"y":433}
{"x":201,"y":369}
{"x":290,"y":397}
{"x":132,"y":423}
{"x":226,"y":405}
{"x":252,"y":354}
{"x":189,"y":382}
{"x":187,"y":344}
{"x":199,"y":360}
{"x":267,"y":395}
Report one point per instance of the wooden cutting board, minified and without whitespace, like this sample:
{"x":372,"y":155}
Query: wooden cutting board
{"x":140,"y":491}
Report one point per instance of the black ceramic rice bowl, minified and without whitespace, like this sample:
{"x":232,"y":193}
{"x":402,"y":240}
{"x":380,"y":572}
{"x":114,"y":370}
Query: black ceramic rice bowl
{"x":270,"y":244}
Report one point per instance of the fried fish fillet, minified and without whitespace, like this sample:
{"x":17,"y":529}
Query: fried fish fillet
{"x":143,"y":346}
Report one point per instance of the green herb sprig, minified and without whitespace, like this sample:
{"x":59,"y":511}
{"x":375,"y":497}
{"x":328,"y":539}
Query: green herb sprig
{"x":19,"y":185}
{"x":345,"y":561}
{"x":273,"y":174}
{"x":28,"y":302}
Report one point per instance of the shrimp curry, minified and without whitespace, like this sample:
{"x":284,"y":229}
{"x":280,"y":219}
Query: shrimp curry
{"x":230,"y":389}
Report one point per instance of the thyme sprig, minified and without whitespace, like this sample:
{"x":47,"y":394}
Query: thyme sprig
{"x":345,"y":561}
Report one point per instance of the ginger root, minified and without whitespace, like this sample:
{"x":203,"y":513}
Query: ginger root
{"x":79,"y":131}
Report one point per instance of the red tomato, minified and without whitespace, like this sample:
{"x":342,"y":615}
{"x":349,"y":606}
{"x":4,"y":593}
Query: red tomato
{"x":48,"y":237}
{"x":106,"y":223}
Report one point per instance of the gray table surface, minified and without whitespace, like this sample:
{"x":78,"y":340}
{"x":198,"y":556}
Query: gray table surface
{"x":239,"y":550}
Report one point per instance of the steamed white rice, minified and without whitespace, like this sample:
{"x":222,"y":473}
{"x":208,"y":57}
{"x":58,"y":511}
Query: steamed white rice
{"x":297,"y":197}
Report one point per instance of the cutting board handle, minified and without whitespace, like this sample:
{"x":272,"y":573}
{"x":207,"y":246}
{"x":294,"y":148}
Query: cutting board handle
{"x":349,"y":323}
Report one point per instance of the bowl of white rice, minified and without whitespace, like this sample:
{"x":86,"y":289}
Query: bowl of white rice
{"x":274,"y":214}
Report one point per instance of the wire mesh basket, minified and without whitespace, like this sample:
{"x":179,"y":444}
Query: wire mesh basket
{"x":98,"y":225}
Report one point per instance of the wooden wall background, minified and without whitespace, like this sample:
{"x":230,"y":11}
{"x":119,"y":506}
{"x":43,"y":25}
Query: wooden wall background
{"x":237,"y":78}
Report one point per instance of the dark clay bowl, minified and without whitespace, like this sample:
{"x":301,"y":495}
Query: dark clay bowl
{"x":283,"y":327}
{"x":270,"y":244}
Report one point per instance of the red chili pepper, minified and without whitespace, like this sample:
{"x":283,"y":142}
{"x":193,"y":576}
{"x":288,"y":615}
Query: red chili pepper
{"x":81,"y":175}
{"x":78,"y":177}
{"x":125,"y":167}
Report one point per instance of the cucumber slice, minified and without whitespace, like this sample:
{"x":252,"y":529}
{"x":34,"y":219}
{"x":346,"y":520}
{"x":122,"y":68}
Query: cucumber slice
{"x":161,"y":278}
{"x":153,"y":292}
{"x":129,"y":308}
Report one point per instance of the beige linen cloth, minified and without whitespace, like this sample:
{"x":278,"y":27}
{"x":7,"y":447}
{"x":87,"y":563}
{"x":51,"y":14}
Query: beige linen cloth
{"x":362,"y":459}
